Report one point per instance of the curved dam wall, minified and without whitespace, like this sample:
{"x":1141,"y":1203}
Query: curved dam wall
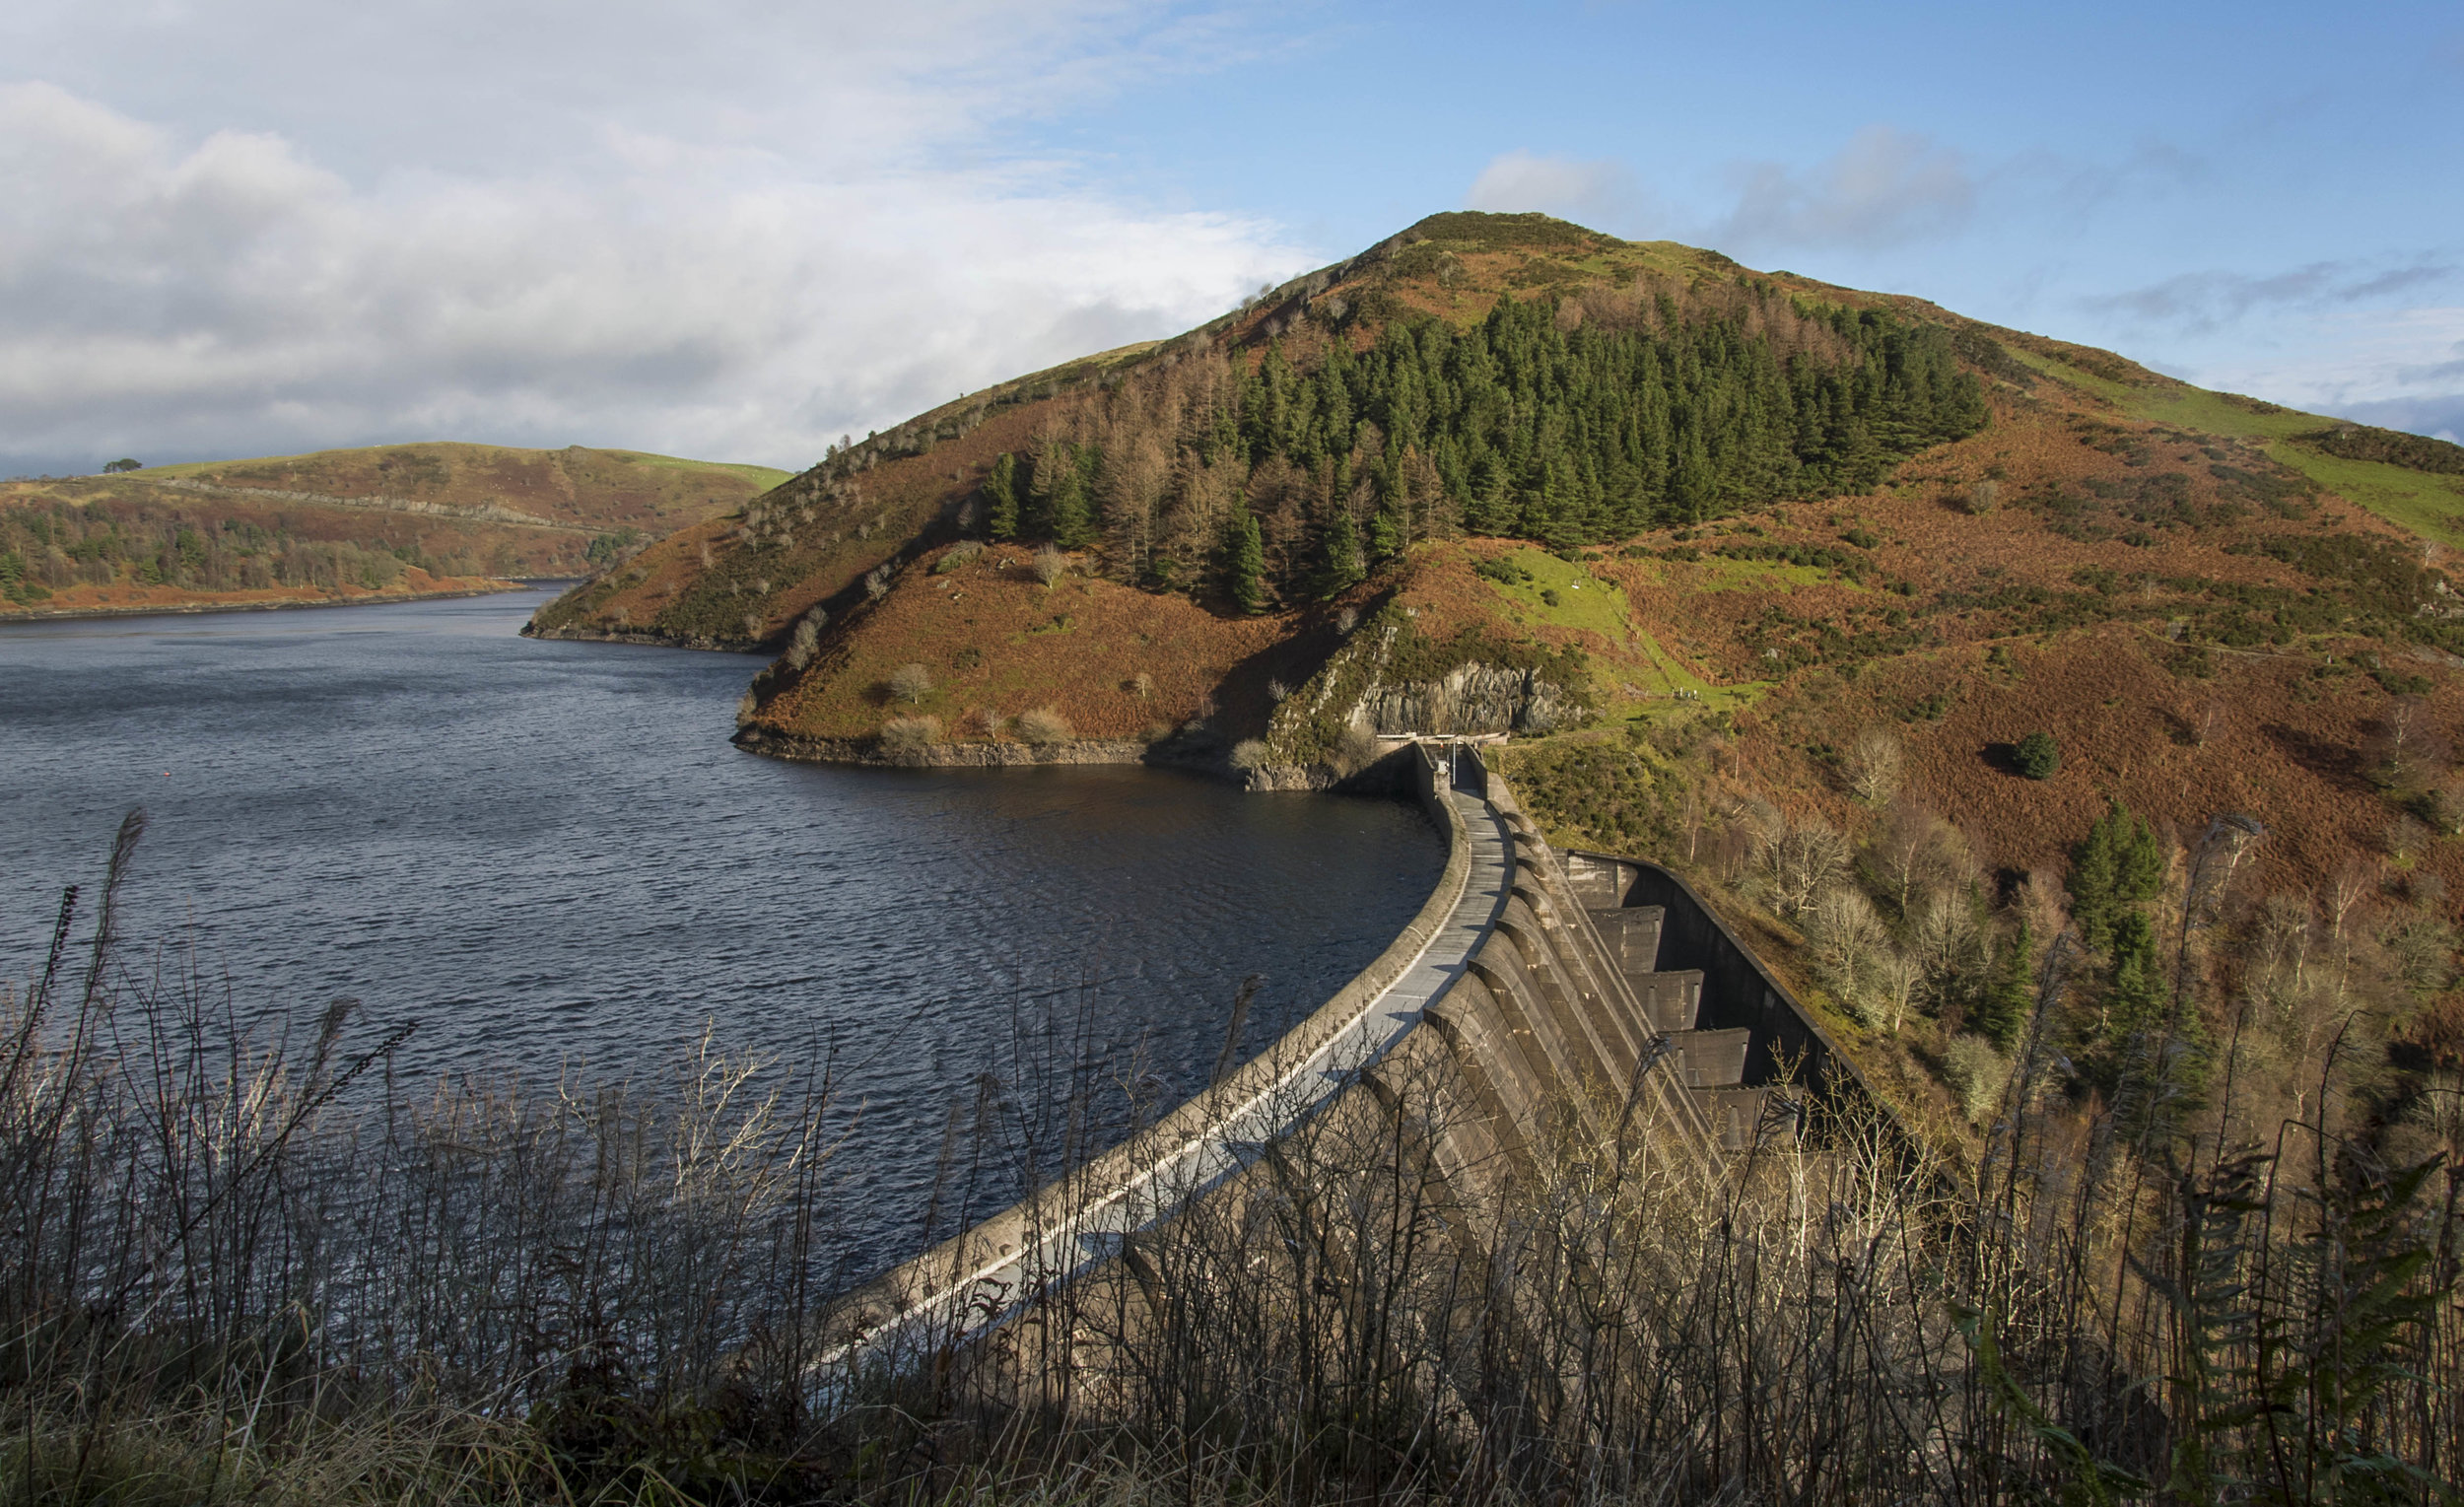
{"x":1550,"y":1001}
{"x":977,"y":1279}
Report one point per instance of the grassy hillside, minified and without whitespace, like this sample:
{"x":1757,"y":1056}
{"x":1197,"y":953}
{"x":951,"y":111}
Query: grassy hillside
{"x":340,"y":524}
{"x":1747,"y":565}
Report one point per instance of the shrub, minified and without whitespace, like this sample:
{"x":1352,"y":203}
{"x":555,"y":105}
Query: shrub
{"x":907,"y":737}
{"x":1051,"y":565}
{"x":2442,"y":806}
{"x":1141,"y":685}
{"x":1355,"y":750}
{"x":910,"y":683}
{"x":1984,"y":497}
{"x":1042,"y":726}
{"x":959,"y":554}
{"x":2038,"y":756}
{"x":1249,"y":753}
{"x":1976,"y":1072}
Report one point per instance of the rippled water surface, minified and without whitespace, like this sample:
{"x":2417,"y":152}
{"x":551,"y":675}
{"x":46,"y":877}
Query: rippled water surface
{"x":548,"y":854}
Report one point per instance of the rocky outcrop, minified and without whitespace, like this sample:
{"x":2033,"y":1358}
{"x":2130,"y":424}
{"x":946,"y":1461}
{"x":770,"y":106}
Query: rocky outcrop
{"x":1471,"y":700}
{"x":1393,"y":680}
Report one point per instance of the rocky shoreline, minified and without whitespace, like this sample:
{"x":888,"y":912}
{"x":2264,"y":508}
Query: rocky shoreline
{"x":648,"y":638}
{"x":1201,"y":758}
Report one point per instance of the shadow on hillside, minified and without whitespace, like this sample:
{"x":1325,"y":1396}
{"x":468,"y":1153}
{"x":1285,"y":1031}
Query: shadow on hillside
{"x":2333,"y":762}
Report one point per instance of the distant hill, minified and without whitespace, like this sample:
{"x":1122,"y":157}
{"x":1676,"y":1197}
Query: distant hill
{"x":385,"y":520}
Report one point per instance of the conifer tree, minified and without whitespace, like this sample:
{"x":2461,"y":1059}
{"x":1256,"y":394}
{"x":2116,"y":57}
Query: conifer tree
{"x":1072,"y":522}
{"x":1001,"y":496}
{"x":1248,"y":571}
{"x":2117,"y":865}
{"x":1387,"y":533}
{"x":1343,"y":568}
{"x":2010,"y":994}
{"x":2134,"y":1004}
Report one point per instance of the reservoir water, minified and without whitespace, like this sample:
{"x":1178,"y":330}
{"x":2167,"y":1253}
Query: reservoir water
{"x":549,"y":855}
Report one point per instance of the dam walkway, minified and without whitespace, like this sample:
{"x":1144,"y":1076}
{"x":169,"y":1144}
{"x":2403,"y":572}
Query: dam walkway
{"x":979,"y":1281}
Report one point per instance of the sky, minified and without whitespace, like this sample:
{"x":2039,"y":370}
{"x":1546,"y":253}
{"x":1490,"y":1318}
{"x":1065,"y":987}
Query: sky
{"x":739,"y":230}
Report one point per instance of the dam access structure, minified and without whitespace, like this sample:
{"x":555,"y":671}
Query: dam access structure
{"x":1541,"y":999}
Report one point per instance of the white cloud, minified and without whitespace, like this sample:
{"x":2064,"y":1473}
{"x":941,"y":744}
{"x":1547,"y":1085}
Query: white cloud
{"x":2403,"y":369}
{"x":1885,"y":187}
{"x":1599,"y":194}
{"x":752,"y":268}
{"x":2198,"y":302}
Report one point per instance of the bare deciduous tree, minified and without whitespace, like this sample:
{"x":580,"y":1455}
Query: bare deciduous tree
{"x":910,"y":683}
{"x":808,"y":640}
{"x":1051,"y":565}
{"x":1848,"y":940}
{"x":1916,"y":849}
{"x":1874,"y":766}
{"x":1799,"y":863}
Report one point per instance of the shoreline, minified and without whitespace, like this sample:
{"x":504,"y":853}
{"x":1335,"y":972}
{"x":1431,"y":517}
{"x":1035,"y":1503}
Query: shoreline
{"x":203,"y":609}
{"x":1388,"y":775}
{"x":648,"y":638}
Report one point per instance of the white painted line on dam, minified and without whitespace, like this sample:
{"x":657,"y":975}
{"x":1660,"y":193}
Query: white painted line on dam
{"x":1236,"y":1139}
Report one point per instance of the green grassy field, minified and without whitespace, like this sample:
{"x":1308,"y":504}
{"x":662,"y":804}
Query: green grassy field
{"x":2429,"y":505}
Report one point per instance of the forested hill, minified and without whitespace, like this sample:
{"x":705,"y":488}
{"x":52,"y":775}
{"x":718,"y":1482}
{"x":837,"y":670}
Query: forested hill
{"x":1562,"y":420}
{"x":1507,"y":374}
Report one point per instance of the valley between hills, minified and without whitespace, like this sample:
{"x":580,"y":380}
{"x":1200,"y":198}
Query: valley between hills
{"x":1769,"y":580}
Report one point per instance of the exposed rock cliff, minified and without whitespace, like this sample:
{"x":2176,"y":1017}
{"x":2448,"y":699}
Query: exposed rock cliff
{"x":1473,"y":697}
{"x":1391,"y":678}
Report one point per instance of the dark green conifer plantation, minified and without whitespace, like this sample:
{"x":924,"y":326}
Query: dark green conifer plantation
{"x":1535,"y":422}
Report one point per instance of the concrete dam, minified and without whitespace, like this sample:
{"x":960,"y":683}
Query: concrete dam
{"x":1543,"y":1004}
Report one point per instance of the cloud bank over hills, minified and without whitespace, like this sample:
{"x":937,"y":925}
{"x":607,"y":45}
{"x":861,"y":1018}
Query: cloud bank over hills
{"x":739,"y":229}
{"x":728,"y":275}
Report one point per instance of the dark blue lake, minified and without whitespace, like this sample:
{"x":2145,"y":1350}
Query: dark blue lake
{"x":549,"y":855}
